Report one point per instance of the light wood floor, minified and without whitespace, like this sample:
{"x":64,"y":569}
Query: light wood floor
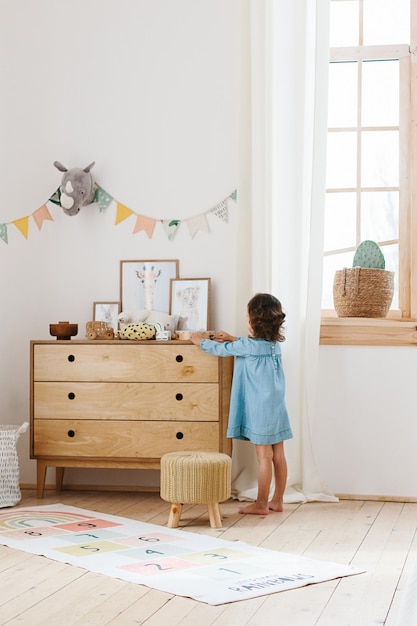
{"x":376,"y":536}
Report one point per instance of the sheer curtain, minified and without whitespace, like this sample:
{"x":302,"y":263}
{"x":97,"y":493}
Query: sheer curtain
{"x":283,"y":130}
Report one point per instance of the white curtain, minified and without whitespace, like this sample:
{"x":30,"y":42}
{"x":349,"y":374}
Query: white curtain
{"x":281,"y":200}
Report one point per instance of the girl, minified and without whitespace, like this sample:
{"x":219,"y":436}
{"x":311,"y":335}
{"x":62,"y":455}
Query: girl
{"x":258,"y":412}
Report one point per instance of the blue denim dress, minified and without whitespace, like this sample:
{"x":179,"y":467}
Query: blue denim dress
{"x":258,"y":411}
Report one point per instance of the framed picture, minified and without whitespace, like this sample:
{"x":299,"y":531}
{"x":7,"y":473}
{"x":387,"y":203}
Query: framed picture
{"x":190,"y":301}
{"x":146,"y":284}
{"x":107,"y":312}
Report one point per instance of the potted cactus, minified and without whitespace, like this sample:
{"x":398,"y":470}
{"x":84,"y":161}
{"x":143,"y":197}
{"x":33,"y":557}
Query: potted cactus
{"x":367,"y":288}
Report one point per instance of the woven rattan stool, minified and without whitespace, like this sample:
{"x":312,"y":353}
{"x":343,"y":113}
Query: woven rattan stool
{"x":195,"y":478}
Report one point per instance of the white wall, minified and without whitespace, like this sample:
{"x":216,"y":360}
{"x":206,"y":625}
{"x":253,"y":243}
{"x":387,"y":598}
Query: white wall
{"x":365,"y":432}
{"x":150,"y":90}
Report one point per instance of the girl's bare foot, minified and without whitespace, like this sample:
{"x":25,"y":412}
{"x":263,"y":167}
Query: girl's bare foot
{"x":255,"y":509}
{"x":276,"y":506}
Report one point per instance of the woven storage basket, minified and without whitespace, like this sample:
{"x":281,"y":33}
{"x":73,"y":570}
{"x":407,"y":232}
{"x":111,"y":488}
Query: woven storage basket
{"x":363,"y":292}
{"x":9,"y":464}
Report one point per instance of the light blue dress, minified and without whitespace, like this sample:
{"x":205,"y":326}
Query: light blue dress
{"x":258,"y":411}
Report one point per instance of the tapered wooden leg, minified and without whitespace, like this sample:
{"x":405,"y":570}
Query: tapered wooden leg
{"x":59,"y":478}
{"x":214,"y":515}
{"x":174,"y":515}
{"x":41,"y":468}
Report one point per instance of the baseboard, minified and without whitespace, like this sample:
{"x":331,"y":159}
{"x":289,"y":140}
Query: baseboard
{"x":348,"y":496}
{"x":75,"y":487}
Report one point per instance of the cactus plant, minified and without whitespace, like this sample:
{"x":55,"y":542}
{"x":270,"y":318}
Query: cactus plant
{"x":369,"y":254}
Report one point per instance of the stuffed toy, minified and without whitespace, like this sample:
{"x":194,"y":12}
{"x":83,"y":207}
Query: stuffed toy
{"x":168,"y":322}
{"x":77,"y":188}
{"x":138,"y":331}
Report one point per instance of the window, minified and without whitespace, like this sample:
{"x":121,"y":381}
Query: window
{"x":370,"y":144}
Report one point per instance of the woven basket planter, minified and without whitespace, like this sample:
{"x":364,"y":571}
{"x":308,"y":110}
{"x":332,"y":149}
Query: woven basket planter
{"x":363,"y":292}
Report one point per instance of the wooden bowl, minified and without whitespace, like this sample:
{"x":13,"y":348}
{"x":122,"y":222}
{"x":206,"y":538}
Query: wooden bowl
{"x":63,"y":330}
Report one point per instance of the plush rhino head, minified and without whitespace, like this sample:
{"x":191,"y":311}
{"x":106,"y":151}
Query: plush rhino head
{"x":77,"y":188}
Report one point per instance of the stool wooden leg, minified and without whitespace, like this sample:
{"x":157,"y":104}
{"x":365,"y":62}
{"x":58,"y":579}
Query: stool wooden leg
{"x":214,"y":515}
{"x":174,"y":515}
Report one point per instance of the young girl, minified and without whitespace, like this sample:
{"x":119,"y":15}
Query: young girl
{"x":258,"y":412}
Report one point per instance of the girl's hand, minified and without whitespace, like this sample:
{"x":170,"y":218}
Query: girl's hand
{"x":196,"y":338}
{"x":221,"y":336}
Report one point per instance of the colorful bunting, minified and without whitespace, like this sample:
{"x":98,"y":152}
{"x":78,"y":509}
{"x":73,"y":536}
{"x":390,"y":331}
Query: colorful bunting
{"x":122,"y":213}
{"x":144,"y":223}
{"x":103,"y":199}
{"x":3,"y":232}
{"x":40,"y":215}
{"x":22,"y":224}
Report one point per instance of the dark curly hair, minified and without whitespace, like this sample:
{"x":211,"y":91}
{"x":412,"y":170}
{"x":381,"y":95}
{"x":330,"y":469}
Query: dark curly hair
{"x":266,"y":317}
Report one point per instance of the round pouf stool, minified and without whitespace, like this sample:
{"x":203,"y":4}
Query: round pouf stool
{"x":195,"y":478}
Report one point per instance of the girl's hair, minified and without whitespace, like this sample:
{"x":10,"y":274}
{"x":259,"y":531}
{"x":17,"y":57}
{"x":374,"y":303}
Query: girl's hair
{"x":266,"y":317}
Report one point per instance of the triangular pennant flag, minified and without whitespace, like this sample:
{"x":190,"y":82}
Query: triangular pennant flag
{"x":23,"y":225}
{"x":103,"y":199}
{"x":3,"y":232}
{"x":171,"y":227}
{"x":40,"y":215}
{"x":220,"y":210}
{"x":56,"y":197}
{"x":197,"y":223}
{"x":123,"y":212}
{"x":234,"y":195}
{"x":145,"y":223}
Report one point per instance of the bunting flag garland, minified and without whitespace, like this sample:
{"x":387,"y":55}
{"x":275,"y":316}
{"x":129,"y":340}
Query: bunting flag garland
{"x":40,"y":215}
{"x":197,"y":223}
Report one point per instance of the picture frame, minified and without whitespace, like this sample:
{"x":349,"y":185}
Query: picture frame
{"x":190,"y":302}
{"x":146,"y":284}
{"x":107,"y":312}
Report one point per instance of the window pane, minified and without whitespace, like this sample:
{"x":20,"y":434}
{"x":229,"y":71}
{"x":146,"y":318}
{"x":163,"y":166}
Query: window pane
{"x":379,"y":213}
{"x":380,"y":158}
{"x":341,"y":160}
{"x":343,"y":90}
{"x":380,"y":93}
{"x":344,"y":23}
{"x":340,"y":221}
{"x":386,"y":22}
{"x":330,"y":265}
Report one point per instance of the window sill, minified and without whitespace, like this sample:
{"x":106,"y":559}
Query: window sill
{"x":361,"y":331}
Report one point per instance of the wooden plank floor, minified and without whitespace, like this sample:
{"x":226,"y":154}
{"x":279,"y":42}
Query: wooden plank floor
{"x":376,"y":536}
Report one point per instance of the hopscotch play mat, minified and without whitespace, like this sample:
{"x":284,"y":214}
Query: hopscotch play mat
{"x":187,"y":564}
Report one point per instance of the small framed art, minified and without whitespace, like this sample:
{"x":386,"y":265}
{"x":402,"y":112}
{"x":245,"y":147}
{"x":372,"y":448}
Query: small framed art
{"x":190,"y":301}
{"x":146,"y":284}
{"x":107,"y":312}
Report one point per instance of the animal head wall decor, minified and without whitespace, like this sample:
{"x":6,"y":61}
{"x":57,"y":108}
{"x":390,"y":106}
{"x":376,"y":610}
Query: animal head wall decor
{"x":77,"y":188}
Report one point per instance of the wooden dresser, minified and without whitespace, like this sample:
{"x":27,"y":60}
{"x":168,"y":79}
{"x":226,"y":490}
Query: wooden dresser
{"x":123,"y":404}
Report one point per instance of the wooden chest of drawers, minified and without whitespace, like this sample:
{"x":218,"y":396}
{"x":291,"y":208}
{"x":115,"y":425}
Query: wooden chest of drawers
{"x":124,"y":404}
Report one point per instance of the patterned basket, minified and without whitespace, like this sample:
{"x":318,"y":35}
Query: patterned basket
{"x":9,"y":464}
{"x":363,"y":292}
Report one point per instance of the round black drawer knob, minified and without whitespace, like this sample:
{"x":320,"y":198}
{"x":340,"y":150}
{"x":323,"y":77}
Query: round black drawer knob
{"x":71,"y":433}
{"x":71,"y":395}
{"x":179,"y":435}
{"x":179,"y":396}
{"x":179,"y":358}
{"x":71,"y":358}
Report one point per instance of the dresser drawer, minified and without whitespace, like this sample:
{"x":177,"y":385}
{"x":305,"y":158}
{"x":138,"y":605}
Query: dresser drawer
{"x":127,"y":401}
{"x":121,"y":440}
{"x":127,"y":362}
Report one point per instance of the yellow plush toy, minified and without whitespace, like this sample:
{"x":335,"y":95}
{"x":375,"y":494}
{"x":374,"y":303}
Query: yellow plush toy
{"x":139,"y":331}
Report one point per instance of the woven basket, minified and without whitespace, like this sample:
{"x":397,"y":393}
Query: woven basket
{"x":363,"y":292}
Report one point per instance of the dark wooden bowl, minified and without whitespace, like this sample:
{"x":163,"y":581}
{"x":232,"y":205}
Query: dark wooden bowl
{"x":63,"y":330}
